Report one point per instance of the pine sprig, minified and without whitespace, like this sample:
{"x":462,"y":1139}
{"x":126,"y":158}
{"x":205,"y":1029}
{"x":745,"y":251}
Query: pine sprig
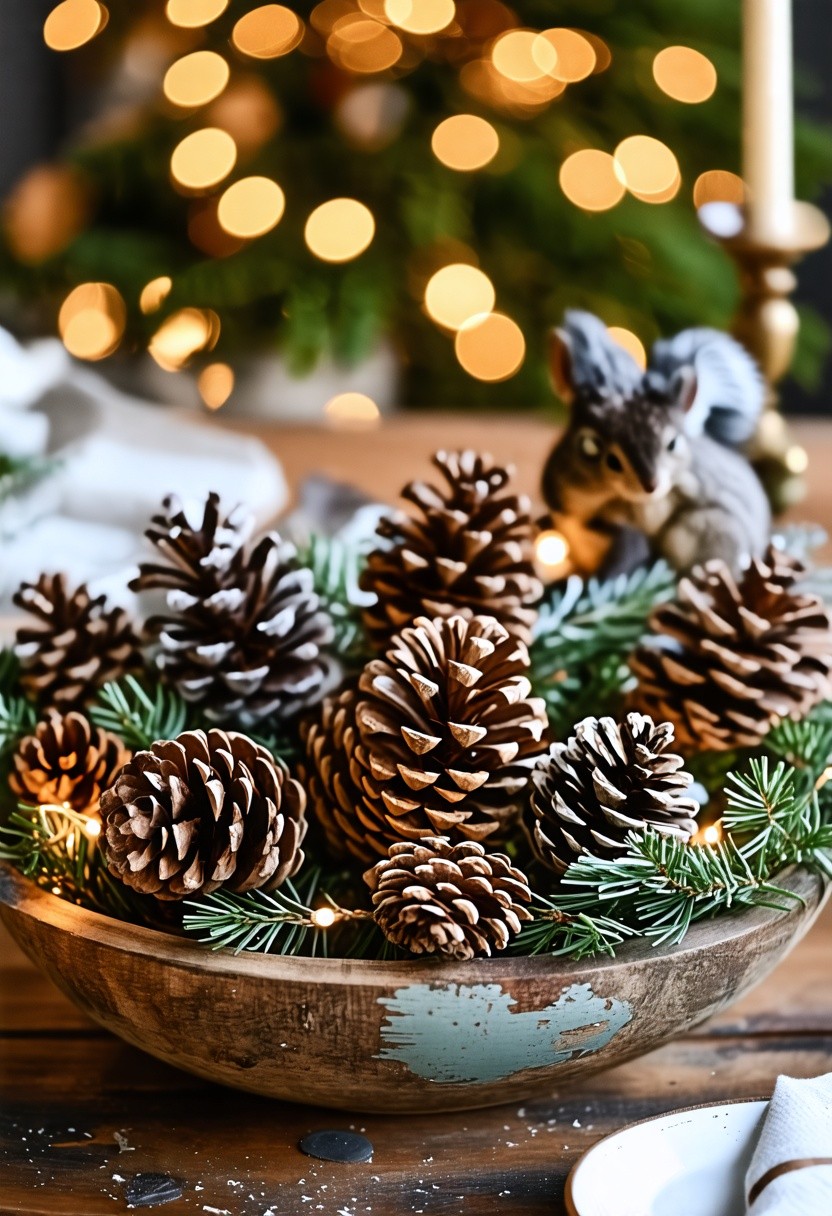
{"x":18,"y":716}
{"x":18,"y":473}
{"x":336,"y":566}
{"x":139,"y":713}
{"x":583,"y":636}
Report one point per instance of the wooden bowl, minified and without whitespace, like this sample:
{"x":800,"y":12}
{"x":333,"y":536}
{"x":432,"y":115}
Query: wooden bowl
{"x":397,"y":1036}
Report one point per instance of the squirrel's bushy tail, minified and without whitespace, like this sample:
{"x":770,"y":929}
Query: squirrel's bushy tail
{"x":730,"y":391}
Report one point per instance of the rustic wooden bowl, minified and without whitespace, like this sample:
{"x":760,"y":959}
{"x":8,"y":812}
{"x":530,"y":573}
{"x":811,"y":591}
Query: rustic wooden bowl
{"x":400,"y":1036}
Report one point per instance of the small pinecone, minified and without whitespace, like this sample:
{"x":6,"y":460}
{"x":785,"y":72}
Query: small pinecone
{"x":244,"y":634}
{"x":203,"y":811}
{"x":609,"y":779}
{"x":435,"y":897}
{"x":471,"y":550}
{"x":75,"y":645}
{"x":67,"y":760}
{"x":332,"y":774}
{"x":735,"y":657}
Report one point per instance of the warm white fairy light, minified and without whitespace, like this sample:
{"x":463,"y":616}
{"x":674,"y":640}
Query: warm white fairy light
{"x":323,"y":918}
{"x":551,"y":549}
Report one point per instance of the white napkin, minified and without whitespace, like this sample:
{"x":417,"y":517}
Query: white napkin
{"x":798,"y":1128}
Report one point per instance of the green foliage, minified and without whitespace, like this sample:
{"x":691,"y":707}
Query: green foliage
{"x":583,"y":637}
{"x":646,"y":267}
{"x":336,"y":567}
{"x":18,"y":473}
{"x":139,"y":712}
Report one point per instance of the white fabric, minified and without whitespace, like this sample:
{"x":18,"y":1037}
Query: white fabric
{"x":116,"y":459}
{"x":798,"y":1126}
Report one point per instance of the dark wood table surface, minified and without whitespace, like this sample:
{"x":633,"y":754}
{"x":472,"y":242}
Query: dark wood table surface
{"x":81,"y":1113}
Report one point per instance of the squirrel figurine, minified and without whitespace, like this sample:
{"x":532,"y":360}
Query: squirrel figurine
{"x":655,"y":452}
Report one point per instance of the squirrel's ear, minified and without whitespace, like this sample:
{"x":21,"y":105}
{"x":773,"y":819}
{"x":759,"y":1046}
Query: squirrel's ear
{"x":683,"y":387}
{"x":560,"y":365}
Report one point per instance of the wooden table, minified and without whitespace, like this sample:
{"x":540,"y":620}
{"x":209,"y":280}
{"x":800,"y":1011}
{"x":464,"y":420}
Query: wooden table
{"x":81,"y":1113}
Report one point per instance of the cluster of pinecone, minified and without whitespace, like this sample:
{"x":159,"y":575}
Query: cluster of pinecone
{"x":428,"y":762}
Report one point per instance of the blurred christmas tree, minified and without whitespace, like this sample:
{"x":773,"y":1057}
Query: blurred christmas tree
{"x":324,"y":178}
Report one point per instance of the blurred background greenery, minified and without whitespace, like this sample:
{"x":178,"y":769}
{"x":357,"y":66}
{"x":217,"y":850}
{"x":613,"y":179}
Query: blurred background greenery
{"x":507,"y":161}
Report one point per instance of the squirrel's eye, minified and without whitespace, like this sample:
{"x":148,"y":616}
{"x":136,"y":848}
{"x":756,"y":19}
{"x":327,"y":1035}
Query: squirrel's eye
{"x":614,"y":463}
{"x":672,"y":443}
{"x":589,"y":447}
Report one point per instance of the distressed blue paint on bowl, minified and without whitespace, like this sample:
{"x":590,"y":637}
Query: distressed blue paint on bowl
{"x":398,"y":1036}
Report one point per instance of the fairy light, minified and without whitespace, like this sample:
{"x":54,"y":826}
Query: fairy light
{"x":490,"y":347}
{"x":248,"y":111}
{"x":251,"y":207}
{"x":631,"y":342}
{"x":364,"y":45}
{"x":523,"y":56}
{"x":215,"y":384}
{"x":352,"y":409}
{"x":589,"y":180}
{"x":420,"y":16}
{"x":191,"y":14}
{"x":91,"y":827}
{"x":92,"y":320}
{"x":465,"y":142}
{"x":268,"y":32}
{"x":718,"y":186}
{"x":339,"y":230}
{"x":712,"y":834}
{"x":182,"y":335}
{"x":154,"y":294}
{"x":458,"y":292}
{"x":323,"y":918}
{"x":57,"y":890}
{"x":551,"y":549}
{"x":196,"y":79}
{"x":203,"y":158}
{"x":796,"y":459}
{"x":73,"y":23}
{"x":645,"y":165}
{"x":45,"y":210}
{"x":684,"y":74}
{"x":575,"y":56}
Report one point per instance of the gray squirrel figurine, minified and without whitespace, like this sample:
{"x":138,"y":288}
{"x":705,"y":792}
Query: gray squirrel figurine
{"x":655,"y":452}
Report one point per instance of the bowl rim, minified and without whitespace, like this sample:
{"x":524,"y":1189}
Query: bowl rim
{"x":22,"y":897}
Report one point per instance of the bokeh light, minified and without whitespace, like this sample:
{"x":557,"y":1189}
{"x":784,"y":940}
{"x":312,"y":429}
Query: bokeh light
{"x":248,"y":111}
{"x":684,"y":74}
{"x":154,"y":294}
{"x":718,"y":186}
{"x":339,"y":230}
{"x":352,"y":409}
{"x":589,"y":180}
{"x":215,"y":384}
{"x":575,"y":57}
{"x":91,"y":320}
{"x":73,"y":23}
{"x":551,"y":550}
{"x":191,"y":14}
{"x":420,"y":16}
{"x":523,"y":56}
{"x":458,"y":292}
{"x":465,"y":142}
{"x":251,"y":207}
{"x":645,"y":165}
{"x":196,"y":79}
{"x":490,"y":347}
{"x":630,"y":342}
{"x":371,"y":115}
{"x":207,"y":233}
{"x":182,"y":335}
{"x":267,"y":32}
{"x":44,"y":212}
{"x":363,"y":45}
{"x":203,"y":159}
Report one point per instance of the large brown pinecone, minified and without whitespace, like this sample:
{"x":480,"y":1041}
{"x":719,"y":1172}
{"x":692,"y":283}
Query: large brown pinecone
{"x":244,"y":634}
{"x":439,"y":740}
{"x":470,"y":549}
{"x":734,"y":657}
{"x":203,"y":811}
{"x":67,"y":760}
{"x":75,"y":644}
{"x":434,"y":897}
{"x":607,"y":780}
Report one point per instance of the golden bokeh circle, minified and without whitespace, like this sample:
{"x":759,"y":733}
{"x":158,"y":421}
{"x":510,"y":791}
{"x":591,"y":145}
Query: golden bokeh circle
{"x":352,"y":409}
{"x":191,"y":14}
{"x":91,"y":320}
{"x":251,"y":207}
{"x":458,"y":292}
{"x":465,"y":142}
{"x":203,"y":158}
{"x":420,"y":16}
{"x":490,"y":347}
{"x":267,"y":32}
{"x":631,"y":342}
{"x":216,"y":384}
{"x":522,"y":56}
{"x":685,"y":74}
{"x":73,"y":23}
{"x":646,"y":165}
{"x":718,"y":186}
{"x":575,"y":56}
{"x":196,"y":79}
{"x":339,"y":230}
{"x":182,"y":335}
{"x":589,"y":180}
{"x":154,"y":294}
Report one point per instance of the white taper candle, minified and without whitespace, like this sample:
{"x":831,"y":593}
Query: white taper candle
{"x":768,"y":118}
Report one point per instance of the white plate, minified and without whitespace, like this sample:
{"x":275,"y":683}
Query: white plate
{"x":689,"y":1163}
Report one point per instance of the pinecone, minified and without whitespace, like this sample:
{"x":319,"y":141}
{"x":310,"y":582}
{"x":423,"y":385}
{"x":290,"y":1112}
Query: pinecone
{"x":435,"y":897}
{"x":735,"y":657}
{"x":203,"y":811}
{"x":67,"y":760}
{"x":244,"y":634}
{"x":332,"y":776}
{"x":471,"y":550}
{"x":76,"y":644}
{"x":607,"y":780}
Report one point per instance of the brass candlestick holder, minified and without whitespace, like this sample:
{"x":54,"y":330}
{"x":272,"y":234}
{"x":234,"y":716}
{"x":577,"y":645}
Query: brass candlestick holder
{"x":767,"y":324}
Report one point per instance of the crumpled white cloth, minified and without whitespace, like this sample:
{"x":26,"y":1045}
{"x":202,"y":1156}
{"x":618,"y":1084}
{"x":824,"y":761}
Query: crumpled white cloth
{"x":797,"y":1128}
{"x":116,"y":459}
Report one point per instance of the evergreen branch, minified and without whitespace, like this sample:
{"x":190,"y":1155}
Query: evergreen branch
{"x":583,"y":636}
{"x":18,"y":473}
{"x":18,"y":716}
{"x":139,"y":714}
{"x":336,"y":568}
